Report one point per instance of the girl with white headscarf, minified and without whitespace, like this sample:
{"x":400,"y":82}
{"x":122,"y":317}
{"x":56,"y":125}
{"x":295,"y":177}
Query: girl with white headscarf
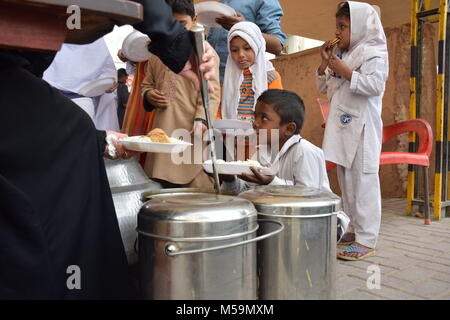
{"x":248,"y":73}
{"x":353,"y":75}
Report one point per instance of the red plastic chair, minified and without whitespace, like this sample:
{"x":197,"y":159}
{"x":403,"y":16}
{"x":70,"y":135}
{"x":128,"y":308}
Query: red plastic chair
{"x":420,"y":158}
{"x":323,"y":104}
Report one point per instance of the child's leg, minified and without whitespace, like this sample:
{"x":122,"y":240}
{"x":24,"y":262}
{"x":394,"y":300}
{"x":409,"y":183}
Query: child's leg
{"x":368,"y":208}
{"x":345,"y":186}
{"x":362,"y":191}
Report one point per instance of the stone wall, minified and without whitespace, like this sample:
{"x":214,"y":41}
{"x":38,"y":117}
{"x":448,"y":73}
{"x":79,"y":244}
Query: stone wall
{"x":298,"y":74}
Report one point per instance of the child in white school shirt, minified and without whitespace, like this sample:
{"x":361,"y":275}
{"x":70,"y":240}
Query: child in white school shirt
{"x":353,"y":76}
{"x":298,"y":161}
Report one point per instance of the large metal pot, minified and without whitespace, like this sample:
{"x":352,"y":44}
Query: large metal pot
{"x":300,"y":263}
{"x":196,"y":245}
{"x":128,"y":182}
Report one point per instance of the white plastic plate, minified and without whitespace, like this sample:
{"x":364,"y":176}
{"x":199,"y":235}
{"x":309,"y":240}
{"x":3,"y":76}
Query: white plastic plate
{"x":133,"y":143}
{"x":208,"y":11}
{"x":97,"y":87}
{"x":234,"y":168}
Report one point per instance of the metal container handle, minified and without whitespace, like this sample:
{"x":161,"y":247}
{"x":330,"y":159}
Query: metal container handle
{"x":172,"y":249}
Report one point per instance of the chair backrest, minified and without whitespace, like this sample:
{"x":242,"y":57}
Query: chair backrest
{"x":419,"y":126}
{"x":323,"y":104}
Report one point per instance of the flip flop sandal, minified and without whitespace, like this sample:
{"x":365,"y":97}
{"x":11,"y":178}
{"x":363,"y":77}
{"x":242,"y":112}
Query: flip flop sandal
{"x":364,"y":253}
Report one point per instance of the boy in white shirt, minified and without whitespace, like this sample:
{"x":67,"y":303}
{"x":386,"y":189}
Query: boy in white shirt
{"x":298,"y":161}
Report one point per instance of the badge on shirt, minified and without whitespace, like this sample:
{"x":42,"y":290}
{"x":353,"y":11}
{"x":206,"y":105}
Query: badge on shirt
{"x":345,"y":119}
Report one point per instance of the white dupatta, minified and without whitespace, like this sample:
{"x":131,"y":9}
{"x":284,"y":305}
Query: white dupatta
{"x":367,"y":41}
{"x":234,"y":76}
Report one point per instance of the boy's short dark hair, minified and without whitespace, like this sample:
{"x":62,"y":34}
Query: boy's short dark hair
{"x":343,"y":10}
{"x":287,"y":104}
{"x":182,"y":7}
{"x":122,"y":73}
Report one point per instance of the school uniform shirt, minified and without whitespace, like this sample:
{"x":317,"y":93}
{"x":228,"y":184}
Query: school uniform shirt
{"x":299,"y":162}
{"x":355,"y":114}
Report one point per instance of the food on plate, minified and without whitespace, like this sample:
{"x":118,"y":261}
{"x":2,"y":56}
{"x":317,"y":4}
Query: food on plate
{"x":250,"y":163}
{"x":158,"y":135}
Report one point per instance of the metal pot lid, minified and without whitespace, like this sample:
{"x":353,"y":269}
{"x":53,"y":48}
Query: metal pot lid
{"x":193,"y":214}
{"x":196,"y":207}
{"x":292,"y":200}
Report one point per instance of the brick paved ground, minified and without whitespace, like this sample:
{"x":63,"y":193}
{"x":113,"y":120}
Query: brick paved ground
{"x":414,"y":260}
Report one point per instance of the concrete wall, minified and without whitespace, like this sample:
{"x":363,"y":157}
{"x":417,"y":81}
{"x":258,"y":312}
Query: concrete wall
{"x":298,"y":74}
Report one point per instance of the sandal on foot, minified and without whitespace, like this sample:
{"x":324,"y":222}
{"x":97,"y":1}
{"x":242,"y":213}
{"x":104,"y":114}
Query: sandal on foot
{"x":362,"y":253}
{"x":347,"y":239}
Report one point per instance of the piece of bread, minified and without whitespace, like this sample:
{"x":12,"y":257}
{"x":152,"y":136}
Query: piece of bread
{"x":334,"y":42}
{"x":158,"y":135}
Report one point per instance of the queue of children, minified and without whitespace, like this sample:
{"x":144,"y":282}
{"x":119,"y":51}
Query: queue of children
{"x":352,"y":73}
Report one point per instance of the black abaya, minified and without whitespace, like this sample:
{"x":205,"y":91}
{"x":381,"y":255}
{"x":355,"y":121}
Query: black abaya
{"x":56,"y":208}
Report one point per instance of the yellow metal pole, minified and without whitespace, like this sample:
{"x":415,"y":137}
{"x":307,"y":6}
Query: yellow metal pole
{"x":440,"y":110}
{"x":412,"y":100}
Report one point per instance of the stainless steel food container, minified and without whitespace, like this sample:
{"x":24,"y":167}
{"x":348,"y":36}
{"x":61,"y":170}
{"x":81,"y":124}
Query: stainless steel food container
{"x":299,"y":263}
{"x":128,"y":182}
{"x":195,"y":245}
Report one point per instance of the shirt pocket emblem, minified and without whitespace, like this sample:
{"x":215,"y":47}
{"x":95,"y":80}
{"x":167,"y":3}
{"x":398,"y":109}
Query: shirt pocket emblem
{"x":346,"y":119}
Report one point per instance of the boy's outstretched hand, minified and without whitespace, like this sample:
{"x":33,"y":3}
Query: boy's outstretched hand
{"x":257,"y":177}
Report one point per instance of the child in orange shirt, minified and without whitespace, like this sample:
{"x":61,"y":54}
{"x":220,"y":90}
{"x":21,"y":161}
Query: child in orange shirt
{"x":248,"y":73}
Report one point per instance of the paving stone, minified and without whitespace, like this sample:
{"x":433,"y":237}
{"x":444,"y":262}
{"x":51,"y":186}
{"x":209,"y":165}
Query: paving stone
{"x":429,"y":289}
{"x":345,"y":284}
{"x":443,"y":246}
{"x":396,"y":237}
{"x":392,"y":294}
{"x":363,"y":265}
{"x":344,"y":268}
{"x":358,"y":295}
{"x":431,"y":239}
{"x":418,"y":256}
{"x":394,"y":283}
{"x":441,"y":276}
{"x":400,"y":262}
{"x":413,"y":274}
{"x":444,"y":261}
{"x":447,"y":297}
{"x":446,"y":256}
{"x":412,"y":257}
{"x":430,"y":252}
{"x":376,"y":259}
{"x":389,"y":252}
{"x":360,"y":274}
{"x":434,"y":266}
